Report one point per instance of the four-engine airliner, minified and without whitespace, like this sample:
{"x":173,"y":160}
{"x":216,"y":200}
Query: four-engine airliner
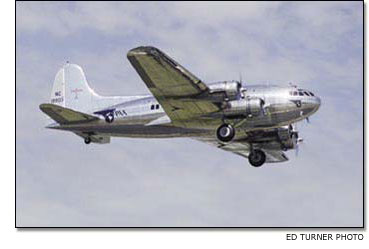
{"x":256,"y":122}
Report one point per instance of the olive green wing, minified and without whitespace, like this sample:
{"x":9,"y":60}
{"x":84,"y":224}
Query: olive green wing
{"x":172,"y":85}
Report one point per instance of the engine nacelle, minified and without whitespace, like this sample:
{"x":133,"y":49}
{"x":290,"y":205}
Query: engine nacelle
{"x":284,"y":133}
{"x":288,"y":137}
{"x":230,"y":90}
{"x":248,"y":107}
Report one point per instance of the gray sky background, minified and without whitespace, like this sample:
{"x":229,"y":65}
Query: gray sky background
{"x":181,"y":182}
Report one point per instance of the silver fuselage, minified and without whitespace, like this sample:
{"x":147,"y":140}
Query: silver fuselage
{"x":140,"y":117}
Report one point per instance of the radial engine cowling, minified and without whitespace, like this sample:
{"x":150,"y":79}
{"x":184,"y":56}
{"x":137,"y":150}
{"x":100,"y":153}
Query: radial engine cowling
{"x":230,"y":90}
{"x":288,"y":137}
{"x":248,"y":107}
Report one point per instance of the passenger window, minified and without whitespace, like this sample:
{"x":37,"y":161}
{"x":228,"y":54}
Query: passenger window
{"x":306,"y":94}
{"x":301,"y":94}
{"x":294,"y":93}
{"x":152,"y":107}
{"x":157,"y":106}
{"x":311,"y":94}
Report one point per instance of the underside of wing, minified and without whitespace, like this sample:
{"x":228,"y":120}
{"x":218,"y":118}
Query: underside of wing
{"x":243,"y":149}
{"x":64,"y":115}
{"x":171,"y":84}
{"x":275,"y":156}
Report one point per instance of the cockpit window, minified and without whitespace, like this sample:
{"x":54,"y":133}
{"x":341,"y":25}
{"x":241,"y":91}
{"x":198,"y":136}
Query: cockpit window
{"x":301,"y":92}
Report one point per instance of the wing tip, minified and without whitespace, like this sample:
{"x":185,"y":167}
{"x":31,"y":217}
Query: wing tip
{"x":142,"y":50}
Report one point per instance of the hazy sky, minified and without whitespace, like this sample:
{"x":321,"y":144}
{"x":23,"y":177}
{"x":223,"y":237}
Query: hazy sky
{"x":182,"y":182}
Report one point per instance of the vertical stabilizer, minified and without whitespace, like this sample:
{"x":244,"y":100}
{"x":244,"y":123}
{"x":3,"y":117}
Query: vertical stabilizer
{"x":58,"y":92}
{"x":71,"y":89}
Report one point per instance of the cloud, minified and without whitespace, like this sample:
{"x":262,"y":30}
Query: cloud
{"x":182,"y":182}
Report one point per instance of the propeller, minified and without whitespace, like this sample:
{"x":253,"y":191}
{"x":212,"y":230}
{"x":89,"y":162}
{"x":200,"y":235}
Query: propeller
{"x":240,"y":77}
{"x":240,"y":85}
{"x":295,"y":139}
{"x":297,"y":143}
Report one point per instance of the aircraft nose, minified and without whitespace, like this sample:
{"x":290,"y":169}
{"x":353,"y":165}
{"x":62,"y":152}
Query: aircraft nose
{"x":317,"y":102}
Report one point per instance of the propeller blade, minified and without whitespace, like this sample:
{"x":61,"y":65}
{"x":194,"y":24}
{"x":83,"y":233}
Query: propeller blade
{"x":294,"y":127}
{"x":297,"y":145}
{"x":297,"y":150}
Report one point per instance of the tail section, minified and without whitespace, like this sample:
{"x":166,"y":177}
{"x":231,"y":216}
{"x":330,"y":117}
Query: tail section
{"x":74,"y":102}
{"x":65,"y":116}
{"x":71,"y":89}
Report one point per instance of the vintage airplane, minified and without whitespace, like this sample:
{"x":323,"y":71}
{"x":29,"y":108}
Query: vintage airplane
{"x":256,"y":122}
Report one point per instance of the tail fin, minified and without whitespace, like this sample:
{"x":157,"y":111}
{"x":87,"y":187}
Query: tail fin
{"x":71,"y":89}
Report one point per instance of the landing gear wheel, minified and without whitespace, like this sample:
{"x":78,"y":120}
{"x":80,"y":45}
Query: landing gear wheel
{"x":257,"y":158}
{"x":109,"y":118}
{"x":225,"y":133}
{"x":87,"y":140}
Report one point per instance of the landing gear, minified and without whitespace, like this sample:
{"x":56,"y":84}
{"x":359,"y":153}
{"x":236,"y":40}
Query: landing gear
{"x":109,"y":118}
{"x":225,"y":133}
{"x":87,"y":140}
{"x":257,"y":158}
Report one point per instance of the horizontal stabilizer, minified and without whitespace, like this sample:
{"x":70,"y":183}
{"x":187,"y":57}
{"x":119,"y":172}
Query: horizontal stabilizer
{"x":64,"y":115}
